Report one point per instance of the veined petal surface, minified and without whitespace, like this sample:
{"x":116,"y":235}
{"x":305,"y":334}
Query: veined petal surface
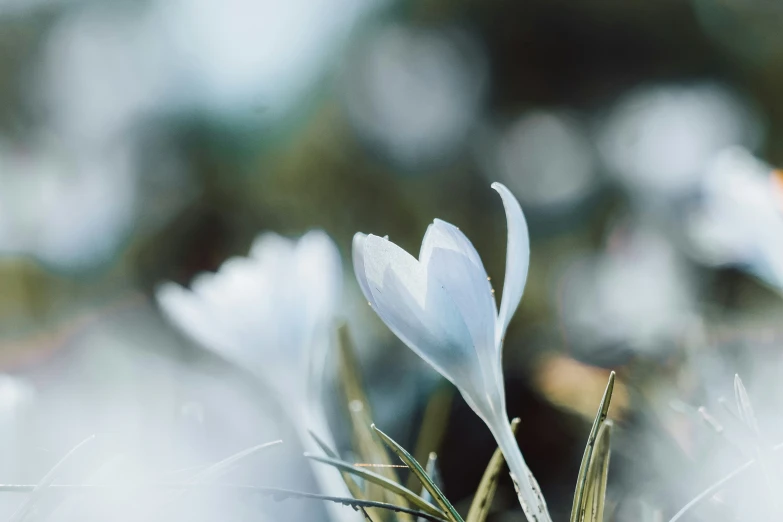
{"x":450,"y":257}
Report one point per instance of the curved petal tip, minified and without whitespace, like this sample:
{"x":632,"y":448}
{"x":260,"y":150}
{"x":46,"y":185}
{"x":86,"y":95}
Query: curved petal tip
{"x":517,"y":259}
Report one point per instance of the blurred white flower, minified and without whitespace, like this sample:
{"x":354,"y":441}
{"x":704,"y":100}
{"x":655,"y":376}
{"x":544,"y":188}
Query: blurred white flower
{"x":70,"y":210}
{"x":442,"y":307}
{"x":739,"y":220}
{"x":658,"y":139}
{"x":239,"y":55}
{"x":415,"y":93}
{"x":272,"y":313}
{"x":637,"y":295}
{"x":545,"y":157}
{"x":103,"y":69}
{"x":122,"y":377}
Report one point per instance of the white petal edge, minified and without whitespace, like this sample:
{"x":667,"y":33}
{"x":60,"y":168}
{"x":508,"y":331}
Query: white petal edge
{"x":517,"y":262}
{"x":270,"y":245}
{"x":192,"y":316}
{"x":357,"y":255}
{"x":318,"y":272}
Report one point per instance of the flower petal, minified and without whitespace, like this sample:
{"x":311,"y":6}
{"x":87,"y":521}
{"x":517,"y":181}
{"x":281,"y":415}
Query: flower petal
{"x":221,"y":311}
{"x":517,"y":262}
{"x":317,"y":270}
{"x":357,"y":253}
{"x":191,"y":315}
{"x":268,"y":312}
{"x":419,"y":310}
{"x":450,"y":257}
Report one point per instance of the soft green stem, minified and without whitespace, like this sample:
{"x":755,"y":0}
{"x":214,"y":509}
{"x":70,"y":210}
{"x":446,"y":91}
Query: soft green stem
{"x":528,"y":491}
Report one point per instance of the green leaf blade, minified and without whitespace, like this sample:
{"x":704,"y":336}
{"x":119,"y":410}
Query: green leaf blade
{"x":426,"y":481}
{"x":382,"y":481}
{"x":578,"y":506}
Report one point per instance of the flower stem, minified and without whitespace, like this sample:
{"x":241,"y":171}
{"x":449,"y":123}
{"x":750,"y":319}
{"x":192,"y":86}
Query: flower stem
{"x":528,"y":491}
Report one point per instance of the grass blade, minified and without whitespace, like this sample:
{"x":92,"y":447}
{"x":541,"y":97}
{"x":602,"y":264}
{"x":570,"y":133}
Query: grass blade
{"x":716,"y":487}
{"x":417,"y":470}
{"x":761,"y":449}
{"x":208,"y":475}
{"x":360,"y":411}
{"x":324,"y":446}
{"x":381,"y":481}
{"x":353,"y":487}
{"x":367,"y":446}
{"x":578,"y":506}
{"x":24,"y":511}
{"x":711,"y":491}
{"x":434,"y":424}
{"x":219,"y":469}
{"x":433,"y":472}
{"x":482,"y":500}
{"x":597,"y":474}
{"x":744,"y":406}
{"x":283,"y":494}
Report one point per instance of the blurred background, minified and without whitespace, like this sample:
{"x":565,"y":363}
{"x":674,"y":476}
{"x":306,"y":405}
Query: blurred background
{"x":149,"y":141}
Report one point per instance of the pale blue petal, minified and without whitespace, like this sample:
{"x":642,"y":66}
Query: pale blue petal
{"x":419,"y":310}
{"x":450,"y":257}
{"x":517,"y":262}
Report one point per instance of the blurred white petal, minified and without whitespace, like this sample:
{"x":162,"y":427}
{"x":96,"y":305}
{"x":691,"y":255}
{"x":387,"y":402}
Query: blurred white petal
{"x":189,"y":310}
{"x":71,"y":210}
{"x":235,"y":56}
{"x":657,"y":140}
{"x":104,"y":68}
{"x":272,"y":313}
{"x":319,"y":267}
{"x":265,"y":311}
{"x":414,"y":93}
{"x":544,"y":157}
{"x":637,"y":295}
{"x":739,"y":221}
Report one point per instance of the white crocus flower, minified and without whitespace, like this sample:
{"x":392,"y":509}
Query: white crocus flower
{"x":271,"y":313}
{"x":442,"y":306}
{"x":739,"y":221}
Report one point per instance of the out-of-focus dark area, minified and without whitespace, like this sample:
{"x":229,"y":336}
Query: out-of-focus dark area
{"x":148,"y":142}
